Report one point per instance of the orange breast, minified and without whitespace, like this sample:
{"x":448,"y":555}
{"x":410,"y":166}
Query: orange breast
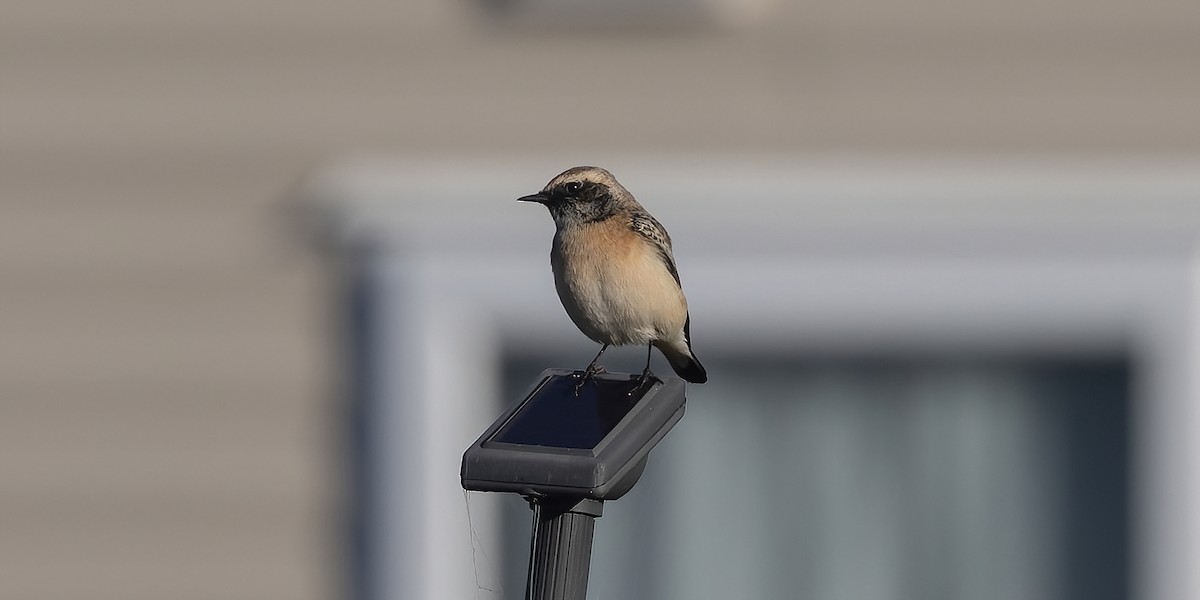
{"x":615,"y":286}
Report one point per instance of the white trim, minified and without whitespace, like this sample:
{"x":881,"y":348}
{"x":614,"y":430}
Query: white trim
{"x":1080,"y":259}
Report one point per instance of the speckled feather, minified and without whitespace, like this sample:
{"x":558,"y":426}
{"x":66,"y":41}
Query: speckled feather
{"x":646,"y":225}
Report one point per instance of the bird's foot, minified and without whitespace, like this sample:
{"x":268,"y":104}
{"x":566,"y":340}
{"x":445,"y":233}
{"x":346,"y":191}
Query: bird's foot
{"x":590,"y":372}
{"x":641,"y":381}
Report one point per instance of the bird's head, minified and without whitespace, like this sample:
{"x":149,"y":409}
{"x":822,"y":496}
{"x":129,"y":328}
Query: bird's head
{"x":582,"y":195}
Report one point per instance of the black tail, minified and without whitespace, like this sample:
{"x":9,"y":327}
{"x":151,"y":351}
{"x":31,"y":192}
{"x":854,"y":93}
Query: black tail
{"x":688,"y":368}
{"x":686,"y":365}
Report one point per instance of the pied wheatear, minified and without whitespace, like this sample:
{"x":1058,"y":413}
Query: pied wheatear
{"x":615,"y":272}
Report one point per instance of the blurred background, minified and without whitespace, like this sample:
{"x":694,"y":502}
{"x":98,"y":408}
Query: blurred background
{"x":221,"y":221}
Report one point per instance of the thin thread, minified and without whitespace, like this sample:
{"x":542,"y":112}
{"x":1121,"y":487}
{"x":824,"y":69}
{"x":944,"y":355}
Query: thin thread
{"x":532,"y":549}
{"x":477,"y":546}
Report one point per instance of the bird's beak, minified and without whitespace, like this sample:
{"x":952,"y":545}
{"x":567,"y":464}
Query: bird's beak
{"x":538,"y":197}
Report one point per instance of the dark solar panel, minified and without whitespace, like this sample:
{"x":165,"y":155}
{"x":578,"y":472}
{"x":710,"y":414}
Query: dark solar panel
{"x":557,"y":418}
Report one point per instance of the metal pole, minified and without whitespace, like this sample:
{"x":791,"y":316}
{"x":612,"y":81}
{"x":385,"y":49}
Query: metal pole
{"x":560,"y":554}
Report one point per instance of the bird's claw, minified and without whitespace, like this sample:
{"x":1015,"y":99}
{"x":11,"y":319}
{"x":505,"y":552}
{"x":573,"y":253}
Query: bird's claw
{"x":640,"y":382}
{"x":589,"y":373}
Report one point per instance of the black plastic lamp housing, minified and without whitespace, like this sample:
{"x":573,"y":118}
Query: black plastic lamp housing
{"x":555,"y":443}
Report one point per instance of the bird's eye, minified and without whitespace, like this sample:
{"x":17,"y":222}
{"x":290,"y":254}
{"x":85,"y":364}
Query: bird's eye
{"x":573,"y":187}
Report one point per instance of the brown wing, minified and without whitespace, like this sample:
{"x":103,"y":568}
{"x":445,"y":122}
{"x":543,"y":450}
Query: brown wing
{"x":653,"y":231}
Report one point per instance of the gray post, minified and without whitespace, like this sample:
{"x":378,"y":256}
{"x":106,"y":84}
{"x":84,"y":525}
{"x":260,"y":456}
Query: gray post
{"x":560,"y":554}
{"x":567,"y":453}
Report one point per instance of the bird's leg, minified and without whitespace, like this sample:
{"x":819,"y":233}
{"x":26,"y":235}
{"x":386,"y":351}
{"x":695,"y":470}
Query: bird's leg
{"x":592,"y":370}
{"x":645,"y":372}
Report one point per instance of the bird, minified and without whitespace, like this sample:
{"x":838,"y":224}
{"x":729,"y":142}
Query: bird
{"x":615,"y":272}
